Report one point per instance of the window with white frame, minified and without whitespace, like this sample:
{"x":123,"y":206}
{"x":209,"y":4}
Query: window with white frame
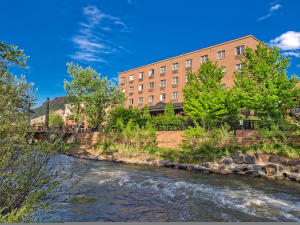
{"x":175,"y":95}
{"x":141,"y":75}
{"x":162,"y":69}
{"x":175,"y":66}
{"x":122,"y":80}
{"x":151,"y":85}
{"x":141,"y":87}
{"x":131,"y":89}
{"x":204,"y":58}
{"x":151,"y":98}
{"x":188,"y":63}
{"x":163,"y":83}
{"x":240,"y":50}
{"x":224,"y":69}
{"x":140,"y":100}
{"x":131,"y":77}
{"x":238,"y":67}
{"x":151,"y":73}
{"x":131,"y":101}
{"x":123,"y":90}
{"x":175,"y":80}
{"x":221,"y":54}
{"x":162,"y":97}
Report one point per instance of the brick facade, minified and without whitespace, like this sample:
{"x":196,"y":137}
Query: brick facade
{"x":230,"y":61}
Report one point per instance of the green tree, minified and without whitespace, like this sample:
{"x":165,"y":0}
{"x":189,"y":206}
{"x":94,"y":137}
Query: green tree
{"x":125,"y":115}
{"x":90,"y":94}
{"x":55,"y":119}
{"x":206,"y":97}
{"x":263,"y":86}
{"x":28,"y":180}
{"x":146,"y":113}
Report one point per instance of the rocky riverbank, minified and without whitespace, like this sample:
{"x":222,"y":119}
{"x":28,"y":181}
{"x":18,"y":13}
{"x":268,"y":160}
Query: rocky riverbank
{"x":258,"y":165}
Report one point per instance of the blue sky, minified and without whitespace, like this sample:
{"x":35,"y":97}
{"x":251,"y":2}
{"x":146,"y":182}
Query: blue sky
{"x":116,"y":35}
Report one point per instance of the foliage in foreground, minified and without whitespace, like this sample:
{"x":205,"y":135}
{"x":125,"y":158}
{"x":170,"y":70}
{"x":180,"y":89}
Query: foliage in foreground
{"x":29,"y":179}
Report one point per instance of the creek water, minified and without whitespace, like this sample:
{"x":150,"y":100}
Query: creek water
{"x":122,"y":192}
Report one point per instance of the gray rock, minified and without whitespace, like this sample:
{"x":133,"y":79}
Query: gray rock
{"x":182,"y":166}
{"x":164,"y":163}
{"x":200,"y":168}
{"x":238,"y":158}
{"x":172,"y":164}
{"x":240,"y":168}
{"x":209,"y":165}
{"x":227,"y":161}
{"x":250,"y":159}
{"x":292,"y":176}
{"x":190,"y":166}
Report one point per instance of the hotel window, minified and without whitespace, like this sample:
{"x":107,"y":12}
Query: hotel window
{"x":131,"y":89}
{"x":162,"y":97}
{"x":175,"y":95}
{"x":122,"y":80}
{"x":224,"y":69}
{"x":204,"y":58}
{"x":162,"y":69}
{"x":151,"y":73}
{"x":151,"y":85}
{"x":175,"y":80}
{"x":188,"y":63}
{"x":140,"y":100}
{"x":221,"y":54}
{"x":131,"y":77}
{"x":123,"y":90}
{"x":163,"y":83}
{"x":151,"y":98}
{"x":238,"y":67}
{"x":240,"y":50}
{"x":141,"y":75}
{"x":131,"y":101}
{"x":175,"y":66}
{"x":141,"y":87}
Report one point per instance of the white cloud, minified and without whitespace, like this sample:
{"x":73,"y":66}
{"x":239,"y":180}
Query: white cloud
{"x":97,"y":35}
{"x":272,"y":9}
{"x":275,"y":7}
{"x":288,"y":42}
{"x":296,"y":54}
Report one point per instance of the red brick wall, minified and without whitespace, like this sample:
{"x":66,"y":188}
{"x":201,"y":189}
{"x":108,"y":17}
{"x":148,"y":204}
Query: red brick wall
{"x":229,"y":62}
{"x":169,"y":139}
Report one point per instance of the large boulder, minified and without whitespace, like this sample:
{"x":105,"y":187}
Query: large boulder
{"x":163,"y":163}
{"x":292,"y":176}
{"x":271,"y":169}
{"x":238,"y":158}
{"x":227,"y":161}
{"x":250,"y":159}
{"x":182,"y":166}
{"x":200,"y":168}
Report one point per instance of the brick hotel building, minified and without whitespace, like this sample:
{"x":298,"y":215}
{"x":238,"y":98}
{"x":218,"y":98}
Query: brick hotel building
{"x":157,"y":83}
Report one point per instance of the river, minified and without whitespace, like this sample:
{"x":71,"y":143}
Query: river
{"x":122,"y":192}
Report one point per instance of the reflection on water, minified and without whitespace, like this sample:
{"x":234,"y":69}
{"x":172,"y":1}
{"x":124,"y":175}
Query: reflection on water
{"x":123,"y":192}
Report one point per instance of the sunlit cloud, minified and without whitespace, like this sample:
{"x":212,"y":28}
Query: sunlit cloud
{"x":288,"y":42}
